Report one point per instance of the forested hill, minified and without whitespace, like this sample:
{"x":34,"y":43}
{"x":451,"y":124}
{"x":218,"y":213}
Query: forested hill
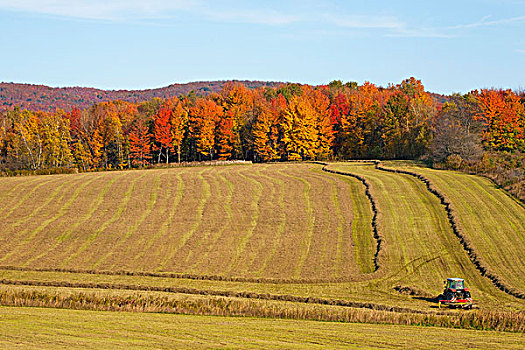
{"x":45,"y":98}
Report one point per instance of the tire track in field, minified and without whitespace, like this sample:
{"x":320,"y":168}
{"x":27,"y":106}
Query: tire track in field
{"x":254,"y":205}
{"x":149,"y":207}
{"x":458,"y":231}
{"x":227,"y":206}
{"x":105,"y":225}
{"x":206,"y":194}
{"x":171,"y":214}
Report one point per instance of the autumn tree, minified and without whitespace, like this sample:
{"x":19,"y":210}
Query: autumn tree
{"x":305,"y":125}
{"x":162,"y":130}
{"x":140,"y":148}
{"x":503,"y":116}
{"x":179,"y":121}
{"x":456,"y":130}
{"x":265,"y":128}
{"x":203,"y":118}
{"x":237,"y":102}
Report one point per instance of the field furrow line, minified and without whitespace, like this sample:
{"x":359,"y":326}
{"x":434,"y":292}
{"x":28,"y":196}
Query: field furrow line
{"x":65,"y":235}
{"x":213,"y":206}
{"x":21,"y":236}
{"x":304,"y":248}
{"x":327,"y":221}
{"x":4,"y":198}
{"x":49,"y":199}
{"x":483,"y":269}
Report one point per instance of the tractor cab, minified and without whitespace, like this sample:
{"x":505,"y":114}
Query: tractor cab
{"x":455,"y":283}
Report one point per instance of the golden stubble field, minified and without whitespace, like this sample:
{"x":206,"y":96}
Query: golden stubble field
{"x":286,"y":221}
{"x":286,"y":240}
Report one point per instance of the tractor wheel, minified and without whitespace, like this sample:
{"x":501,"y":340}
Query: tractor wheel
{"x":449,"y":296}
{"x":467,"y":295}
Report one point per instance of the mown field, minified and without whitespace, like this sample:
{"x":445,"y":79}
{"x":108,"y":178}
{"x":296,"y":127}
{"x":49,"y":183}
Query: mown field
{"x":490,"y":217}
{"x":37,"y":328}
{"x":275,"y":221}
{"x":265,"y":240}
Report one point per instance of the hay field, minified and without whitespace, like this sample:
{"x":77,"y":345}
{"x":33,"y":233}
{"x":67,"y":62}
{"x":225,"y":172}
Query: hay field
{"x":287,"y":221}
{"x":421,"y":249}
{"x":273,"y":240}
{"x":35,"y":328}
{"x":492,"y":220}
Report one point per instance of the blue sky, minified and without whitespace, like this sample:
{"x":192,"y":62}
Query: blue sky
{"x":452,"y":46}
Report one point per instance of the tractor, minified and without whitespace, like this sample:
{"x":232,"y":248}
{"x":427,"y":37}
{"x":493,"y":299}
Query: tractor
{"x":456,"y":295}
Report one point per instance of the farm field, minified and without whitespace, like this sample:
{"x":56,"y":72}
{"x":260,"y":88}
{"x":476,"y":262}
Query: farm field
{"x":493,"y":220}
{"x":269,"y":240}
{"x":56,"y":328}
{"x":262,"y":221}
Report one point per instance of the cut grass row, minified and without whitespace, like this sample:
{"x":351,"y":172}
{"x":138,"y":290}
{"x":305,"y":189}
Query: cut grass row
{"x":195,"y":303}
{"x":380,"y":292}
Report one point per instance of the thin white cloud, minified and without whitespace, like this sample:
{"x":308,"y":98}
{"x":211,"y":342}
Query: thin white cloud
{"x":100,"y":9}
{"x":420,"y":33}
{"x":253,"y":16}
{"x":451,"y":31}
{"x":126,"y":10}
{"x":366,"y":22}
{"x":520,"y":50}
{"x":484,"y":22}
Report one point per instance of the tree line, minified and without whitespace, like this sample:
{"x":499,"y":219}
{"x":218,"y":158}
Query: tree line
{"x":286,"y":123}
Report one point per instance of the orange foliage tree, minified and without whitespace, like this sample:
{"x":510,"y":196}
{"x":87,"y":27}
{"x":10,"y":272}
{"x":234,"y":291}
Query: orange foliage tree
{"x":162,"y":130}
{"x":503,"y":115}
{"x":203,"y":118}
{"x":140,"y":148}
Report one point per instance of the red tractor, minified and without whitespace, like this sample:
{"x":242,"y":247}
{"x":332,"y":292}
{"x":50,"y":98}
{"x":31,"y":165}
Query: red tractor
{"x":456,"y":295}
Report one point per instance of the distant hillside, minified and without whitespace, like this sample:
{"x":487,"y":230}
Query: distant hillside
{"x":41,"y":97}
